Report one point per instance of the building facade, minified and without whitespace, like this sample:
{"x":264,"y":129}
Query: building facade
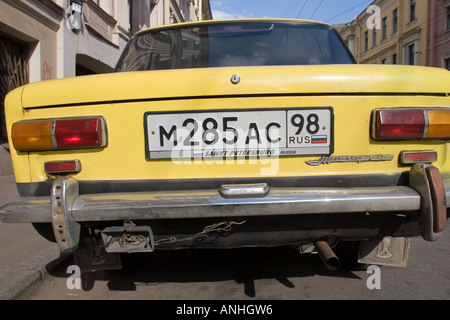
{"x":440,"y":34}
{"x":50,"y":39}
{"x":176,"y":11}
{"x":390,"y":32}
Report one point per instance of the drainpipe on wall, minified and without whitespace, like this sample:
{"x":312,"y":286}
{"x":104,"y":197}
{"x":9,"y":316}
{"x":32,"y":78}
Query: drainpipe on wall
{"x":432,"y":33}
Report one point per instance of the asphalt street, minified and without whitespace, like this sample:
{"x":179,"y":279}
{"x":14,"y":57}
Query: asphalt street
{"x":27,"y":260}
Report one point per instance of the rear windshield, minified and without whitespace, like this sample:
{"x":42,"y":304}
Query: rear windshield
{"x":222,"y":45}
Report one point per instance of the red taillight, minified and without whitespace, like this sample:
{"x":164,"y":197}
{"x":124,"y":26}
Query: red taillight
{"x":79,"y":133}
{"x":411,"y":123}
{"x":54,"y":134}
{"x":399,"y":124}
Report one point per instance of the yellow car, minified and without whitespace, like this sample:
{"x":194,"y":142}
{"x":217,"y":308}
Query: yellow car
{"x":224,"y":134}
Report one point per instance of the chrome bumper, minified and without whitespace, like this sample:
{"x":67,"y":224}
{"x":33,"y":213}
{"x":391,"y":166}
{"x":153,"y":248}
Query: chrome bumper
{"x":210,"y":204}
{"x":65,"y":208}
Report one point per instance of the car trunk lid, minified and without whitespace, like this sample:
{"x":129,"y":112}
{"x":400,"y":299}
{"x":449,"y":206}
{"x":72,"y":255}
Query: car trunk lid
{"x":254,"y":81}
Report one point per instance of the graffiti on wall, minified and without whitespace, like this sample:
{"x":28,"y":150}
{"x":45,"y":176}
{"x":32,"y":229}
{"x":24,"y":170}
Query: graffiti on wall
{"x":46,"y":71}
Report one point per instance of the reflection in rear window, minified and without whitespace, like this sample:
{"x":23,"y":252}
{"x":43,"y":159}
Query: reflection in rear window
{"x":222,"y":45}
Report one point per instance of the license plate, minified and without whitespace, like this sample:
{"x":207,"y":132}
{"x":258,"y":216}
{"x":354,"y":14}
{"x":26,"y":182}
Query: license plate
{"x":233,"y":134}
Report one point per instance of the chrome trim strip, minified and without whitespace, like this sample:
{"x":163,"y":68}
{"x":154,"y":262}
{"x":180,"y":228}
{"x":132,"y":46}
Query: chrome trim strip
{"x":427,"y":123}
{"x":244,"y":191}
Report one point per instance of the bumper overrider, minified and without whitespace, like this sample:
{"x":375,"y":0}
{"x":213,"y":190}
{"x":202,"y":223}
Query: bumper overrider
{"x":427,"y":195}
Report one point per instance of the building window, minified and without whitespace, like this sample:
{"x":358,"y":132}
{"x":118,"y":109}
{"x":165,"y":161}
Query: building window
{"x":384,"y":29}
{"x":412,"y":54}
{"x":412,"y":10}
{"x":447,"y":64}
{"x":374,"y":37}
{"x":394,"y":58}
{"x":366,"y":40}
{"x":395,"y":21}
{"x":384,"y":61}
{"x":448,"y":18}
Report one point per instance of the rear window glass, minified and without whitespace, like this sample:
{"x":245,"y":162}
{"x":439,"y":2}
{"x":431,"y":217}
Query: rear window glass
{"x":222,"y":45}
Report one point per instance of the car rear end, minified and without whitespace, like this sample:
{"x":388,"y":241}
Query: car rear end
{"x":232,"y":153}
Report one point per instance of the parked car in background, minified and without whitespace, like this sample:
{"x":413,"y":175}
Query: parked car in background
{"x":224,"y":134}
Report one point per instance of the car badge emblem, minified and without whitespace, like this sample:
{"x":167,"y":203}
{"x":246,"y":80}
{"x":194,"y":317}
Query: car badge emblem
{"x":358,"y":159}
{"x":235,"y":79}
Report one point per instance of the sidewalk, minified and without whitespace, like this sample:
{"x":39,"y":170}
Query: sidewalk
{"x":25,"y":257}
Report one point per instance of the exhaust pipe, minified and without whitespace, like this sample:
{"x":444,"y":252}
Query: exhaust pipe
{"x":327,"y":255}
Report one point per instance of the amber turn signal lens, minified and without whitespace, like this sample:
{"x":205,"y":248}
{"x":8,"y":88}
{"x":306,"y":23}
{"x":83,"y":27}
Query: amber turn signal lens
{"x":439,"y":124}
{"x":32,"y":135}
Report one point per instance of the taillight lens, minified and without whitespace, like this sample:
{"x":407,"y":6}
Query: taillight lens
{"x":412,"y":157}
{"x":56,"y":167}
{"x":32,"y":135}
{"x":406,"y":123}
{"x":79,"y":133}
{"x":439,"y":124}
{"x":59,"y":134}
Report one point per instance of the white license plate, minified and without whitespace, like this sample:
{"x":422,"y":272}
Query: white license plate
{"x":226,"y":134}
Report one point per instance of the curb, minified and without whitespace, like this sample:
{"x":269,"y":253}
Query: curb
{"x":28,"y":275}
{"x":24,"y":279}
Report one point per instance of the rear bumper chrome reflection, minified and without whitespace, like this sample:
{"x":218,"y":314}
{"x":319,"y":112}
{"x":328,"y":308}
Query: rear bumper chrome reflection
{"x":427,"y":194}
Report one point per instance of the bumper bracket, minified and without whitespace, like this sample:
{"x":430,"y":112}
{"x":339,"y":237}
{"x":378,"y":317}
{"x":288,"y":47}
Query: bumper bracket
{"x":66,"y":229}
